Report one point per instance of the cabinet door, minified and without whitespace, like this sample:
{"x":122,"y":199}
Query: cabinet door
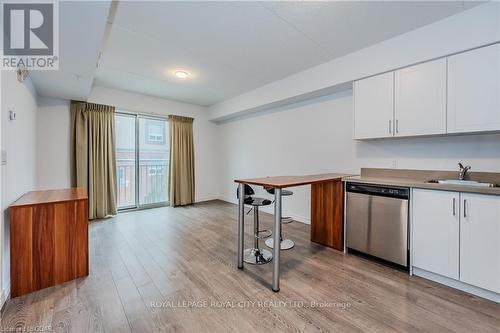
{"x":480,"y":240}
{"x":436,"y":226}
{"x":374,"y":107}
{"x":420,"y":99}
{"x":474,"y":90}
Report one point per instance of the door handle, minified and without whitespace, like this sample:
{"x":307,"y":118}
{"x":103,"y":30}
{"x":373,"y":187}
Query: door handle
{"x":454,"y":207}
{"x":465,"y":207}
{"x":397,"y":125}
{"x":390,"y":126}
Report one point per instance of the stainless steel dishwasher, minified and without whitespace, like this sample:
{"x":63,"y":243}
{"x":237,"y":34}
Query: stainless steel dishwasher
{"x":377,"y":221}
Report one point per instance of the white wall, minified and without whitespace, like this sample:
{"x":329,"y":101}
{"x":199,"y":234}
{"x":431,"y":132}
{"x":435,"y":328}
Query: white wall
{"x":53,"y":144}
{"x":53,"y":137}
{"x":316,"y":136}
{"x":2,"y":296}
{"x":19,"y":140}
{"x":472,"y":28}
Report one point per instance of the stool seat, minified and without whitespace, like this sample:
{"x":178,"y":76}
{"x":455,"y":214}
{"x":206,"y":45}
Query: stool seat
{"x":253,"y":201}
{"x":256,"y":255}
{"x":270,"y":190}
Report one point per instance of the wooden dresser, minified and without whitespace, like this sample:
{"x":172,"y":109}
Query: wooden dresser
{"x":48,"y":239}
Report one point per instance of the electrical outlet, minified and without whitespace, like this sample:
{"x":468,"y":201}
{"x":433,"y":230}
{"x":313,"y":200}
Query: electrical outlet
{"x":394,"y":164}
{"x":4,"y":157}
{"x":12,"y":115}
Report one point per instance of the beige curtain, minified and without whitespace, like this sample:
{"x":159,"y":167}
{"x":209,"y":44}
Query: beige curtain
{"x":181,"y":161}
{"x":93,"y":155}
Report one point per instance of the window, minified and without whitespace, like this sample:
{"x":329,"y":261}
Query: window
{"x":155,"y":132}
{"x":142,"y":160}
{"x":155,"y":170}
{"x":125,"y":160}
{"x":122,"y":180}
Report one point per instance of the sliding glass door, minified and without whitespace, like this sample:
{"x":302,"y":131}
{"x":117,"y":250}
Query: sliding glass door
{"x":153,"y":161}
{"x":142,"y":161}
{"x":126,"y":160}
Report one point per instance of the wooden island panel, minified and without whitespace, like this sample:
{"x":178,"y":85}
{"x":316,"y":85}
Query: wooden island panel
{"x":327,"y":214}
{"x":48,"y":239}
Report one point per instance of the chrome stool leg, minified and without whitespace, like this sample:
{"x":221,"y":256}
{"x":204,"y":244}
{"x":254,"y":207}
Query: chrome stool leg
{"x":256,"y":256}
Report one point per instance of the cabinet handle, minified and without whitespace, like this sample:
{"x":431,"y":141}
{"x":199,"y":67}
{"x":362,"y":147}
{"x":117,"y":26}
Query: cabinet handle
{"x":390,"y":126}
{"x":454,"y":207}
{"x":465,"y":207}
{"x":397,"y":125}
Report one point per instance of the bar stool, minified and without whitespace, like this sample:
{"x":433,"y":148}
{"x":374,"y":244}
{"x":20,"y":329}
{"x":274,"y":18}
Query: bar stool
{"x":255,"y":255}
{"x":285,"y":244}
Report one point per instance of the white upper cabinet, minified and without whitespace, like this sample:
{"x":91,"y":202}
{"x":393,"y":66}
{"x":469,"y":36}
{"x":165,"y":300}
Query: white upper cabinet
{"x":374,"y":107}
{"x":474,"y":90}
{"x":420,"y":99}
{"x":436,"y":226}
{"x":457,"y":94}
{"x":480,"y":241}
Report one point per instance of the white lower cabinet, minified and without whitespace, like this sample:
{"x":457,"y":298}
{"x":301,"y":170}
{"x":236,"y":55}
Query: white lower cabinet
{"x":480,"y":241}
{"x":457,"y":235}
{"x":436,"y":228}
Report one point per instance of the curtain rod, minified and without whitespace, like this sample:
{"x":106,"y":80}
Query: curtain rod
{"x":146,"y":114}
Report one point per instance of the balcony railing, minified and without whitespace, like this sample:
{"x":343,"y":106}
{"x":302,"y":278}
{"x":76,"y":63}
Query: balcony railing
{"x":153,"y":183}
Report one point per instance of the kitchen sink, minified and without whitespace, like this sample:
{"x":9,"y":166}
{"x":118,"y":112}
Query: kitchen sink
{"x":462,"y":183}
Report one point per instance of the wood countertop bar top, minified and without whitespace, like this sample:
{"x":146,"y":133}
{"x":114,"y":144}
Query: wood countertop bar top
{"x":50,"y":196}
{"x":291,"y":181}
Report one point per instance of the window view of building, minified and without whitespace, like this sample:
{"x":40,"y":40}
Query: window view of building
{"x":155,"y":132}
{"x":125,"y":160}
{"x":154,"y":156}
{"x":142,"y":174}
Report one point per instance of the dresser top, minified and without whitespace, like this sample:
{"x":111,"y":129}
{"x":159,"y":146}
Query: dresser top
{"x":50,"y":196}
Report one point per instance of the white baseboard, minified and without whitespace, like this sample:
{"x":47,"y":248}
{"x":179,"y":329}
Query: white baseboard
{"x":301,"y":219}
{"x":269,"y":210}
{"x":492,"y":296}
{"x":5,"y":295}
{"x":206,"y":198}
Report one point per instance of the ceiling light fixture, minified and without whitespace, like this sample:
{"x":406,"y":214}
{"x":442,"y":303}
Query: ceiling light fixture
{"x":181,"y":74}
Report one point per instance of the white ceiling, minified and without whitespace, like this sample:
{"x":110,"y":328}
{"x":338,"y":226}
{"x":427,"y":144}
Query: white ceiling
{"x":228,"y":47}
{"x":81,"y":29}
{"x":232,"y":47}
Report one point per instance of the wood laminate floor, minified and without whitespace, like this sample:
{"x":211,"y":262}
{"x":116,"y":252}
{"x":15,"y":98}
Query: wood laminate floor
{"x":174,"y":270}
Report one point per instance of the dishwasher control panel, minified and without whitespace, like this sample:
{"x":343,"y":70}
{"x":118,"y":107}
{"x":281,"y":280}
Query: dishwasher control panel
{"x":397,"y":192}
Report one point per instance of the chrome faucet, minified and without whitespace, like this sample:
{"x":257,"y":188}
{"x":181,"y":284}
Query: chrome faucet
{"x":462,"y":171}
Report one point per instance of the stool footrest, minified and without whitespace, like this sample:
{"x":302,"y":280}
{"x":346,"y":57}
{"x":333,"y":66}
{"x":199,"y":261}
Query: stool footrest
{"x":285,"y":244}
{"x":266,"y":233}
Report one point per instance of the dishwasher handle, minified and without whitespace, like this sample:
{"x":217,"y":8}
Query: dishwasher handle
{"x":382,"y":191}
